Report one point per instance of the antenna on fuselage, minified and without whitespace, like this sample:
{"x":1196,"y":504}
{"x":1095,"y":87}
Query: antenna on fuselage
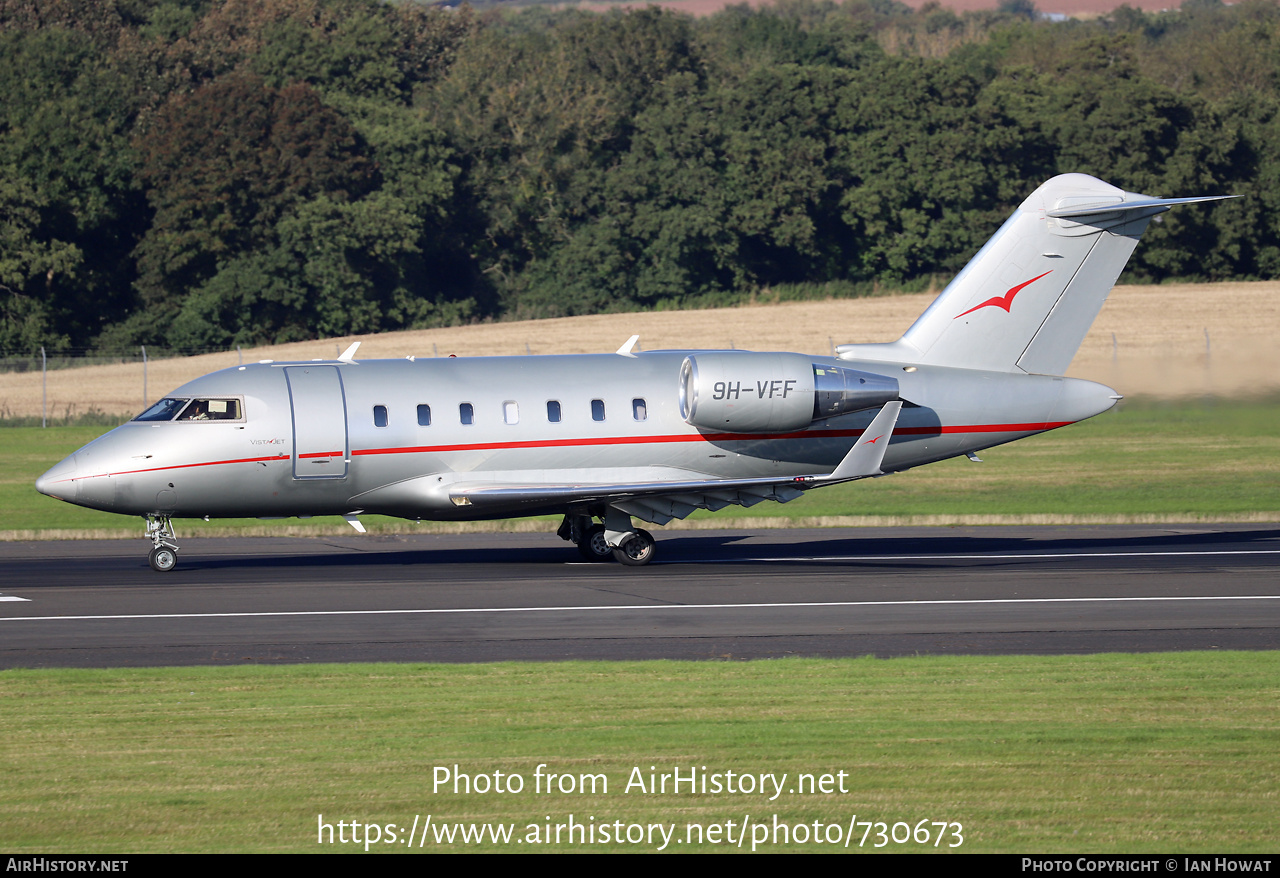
{"x":349,"y":355}
{"x":625,"y":350}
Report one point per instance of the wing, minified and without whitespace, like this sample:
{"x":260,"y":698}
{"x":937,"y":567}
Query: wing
{"x":660,"y":500}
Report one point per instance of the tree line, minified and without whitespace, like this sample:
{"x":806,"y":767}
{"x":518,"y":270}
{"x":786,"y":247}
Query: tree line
{"x":207,"y":173}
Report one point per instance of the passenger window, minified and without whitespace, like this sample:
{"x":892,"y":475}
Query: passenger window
{"x":597,"y":409}
{"x":424,"y":416}
{"x":379,"y":415}
{"x":553,"y":411}
{"x":466,"y":413}
{"x":510,"y":412}
{"x":639,"y":410}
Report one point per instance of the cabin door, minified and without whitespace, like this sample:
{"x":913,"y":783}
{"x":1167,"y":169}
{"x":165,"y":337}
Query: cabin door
{"x":320,"y":444}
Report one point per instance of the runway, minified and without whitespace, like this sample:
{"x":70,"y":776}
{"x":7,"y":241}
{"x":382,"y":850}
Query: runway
{"x":709,"y":595}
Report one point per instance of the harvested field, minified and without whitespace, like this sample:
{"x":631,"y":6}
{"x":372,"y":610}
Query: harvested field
{"x":1072,"y":8}
{"x":1169,"y":341}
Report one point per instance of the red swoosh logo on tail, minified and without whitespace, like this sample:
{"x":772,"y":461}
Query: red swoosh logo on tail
{"x":1005,"y":301}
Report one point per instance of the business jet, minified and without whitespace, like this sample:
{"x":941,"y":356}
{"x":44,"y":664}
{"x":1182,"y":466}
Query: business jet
{"x":654,"y":435}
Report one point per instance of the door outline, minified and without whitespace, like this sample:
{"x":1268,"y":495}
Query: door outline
{"x":319,"y":392}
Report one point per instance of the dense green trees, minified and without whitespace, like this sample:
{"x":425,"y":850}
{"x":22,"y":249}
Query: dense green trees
{"x":203,"y":173}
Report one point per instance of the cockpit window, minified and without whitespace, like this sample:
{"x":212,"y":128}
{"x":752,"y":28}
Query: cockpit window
{"x":164,"y":410}
{"x":211,"y":410}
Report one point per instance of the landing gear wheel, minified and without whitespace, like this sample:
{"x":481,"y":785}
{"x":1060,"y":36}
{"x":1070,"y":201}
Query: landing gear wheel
{"x":164,"y":551}
{"x":593,"y":547}
{"x":637,"y":551}
{"x":163,"y":559}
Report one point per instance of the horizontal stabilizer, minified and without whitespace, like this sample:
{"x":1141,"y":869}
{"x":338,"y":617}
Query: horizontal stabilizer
{"x":1144,"y":204}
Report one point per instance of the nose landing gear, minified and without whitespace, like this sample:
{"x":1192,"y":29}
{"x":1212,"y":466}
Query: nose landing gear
{"x":164,"y":554}
{"x":163,"y":559}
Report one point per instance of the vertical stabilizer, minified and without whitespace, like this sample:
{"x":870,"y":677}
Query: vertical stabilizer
{"x":1026,"y":301}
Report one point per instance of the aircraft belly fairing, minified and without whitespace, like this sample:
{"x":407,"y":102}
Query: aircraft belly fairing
{"x":656,"y":435}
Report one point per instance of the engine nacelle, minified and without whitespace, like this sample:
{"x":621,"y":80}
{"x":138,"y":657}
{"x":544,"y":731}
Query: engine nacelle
{"x":838,"y":391}
{"x":746,"y":392}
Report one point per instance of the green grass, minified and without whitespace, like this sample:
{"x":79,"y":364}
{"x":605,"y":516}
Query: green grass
{"x":1113,"y":753}
{"x":1187,"y":460}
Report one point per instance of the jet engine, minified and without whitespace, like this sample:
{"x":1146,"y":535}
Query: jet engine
{"x":746,"y":392}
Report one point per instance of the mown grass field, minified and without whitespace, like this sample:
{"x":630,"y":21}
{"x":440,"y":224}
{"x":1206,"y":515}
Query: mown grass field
{"x":1112,"y":753}
{"x":1146,"y":461}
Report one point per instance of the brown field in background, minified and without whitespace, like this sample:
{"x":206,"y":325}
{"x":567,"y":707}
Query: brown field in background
{"x":1159,"y":344}
{"x":1073,"y":8}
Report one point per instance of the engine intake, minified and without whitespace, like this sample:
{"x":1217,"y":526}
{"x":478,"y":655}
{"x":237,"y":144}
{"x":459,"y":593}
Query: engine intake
{"x":746,"y":392}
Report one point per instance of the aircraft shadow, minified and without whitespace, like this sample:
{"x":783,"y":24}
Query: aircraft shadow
{"x":737,"y":547}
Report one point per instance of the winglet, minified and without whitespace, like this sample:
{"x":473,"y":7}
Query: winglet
{"x":349,"y":355}
{"x":355,"y":522}
{"x":625,"y":350}
{"x":865,"y":457}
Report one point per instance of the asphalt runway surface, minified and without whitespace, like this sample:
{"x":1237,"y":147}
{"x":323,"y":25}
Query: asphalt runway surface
{"x":709,"y":595}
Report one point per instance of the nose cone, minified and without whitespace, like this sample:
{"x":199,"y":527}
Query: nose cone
{"x":59,"y":481}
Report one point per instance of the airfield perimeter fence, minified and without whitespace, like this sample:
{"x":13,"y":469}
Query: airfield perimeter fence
{"x":45,"y":361}
{"x":51,"y":361}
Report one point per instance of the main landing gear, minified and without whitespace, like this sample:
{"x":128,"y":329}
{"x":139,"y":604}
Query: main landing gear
{"x":637,"y":551}
{"x":616,"y":538}
{"x":592,"y":545}
{"x":164,"y":554}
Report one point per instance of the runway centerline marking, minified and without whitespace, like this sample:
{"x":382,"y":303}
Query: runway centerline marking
{"x":605,"y":607}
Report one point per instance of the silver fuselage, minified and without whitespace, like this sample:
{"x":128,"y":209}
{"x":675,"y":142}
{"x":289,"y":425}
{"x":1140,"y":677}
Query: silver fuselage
{"x":309,"y":440}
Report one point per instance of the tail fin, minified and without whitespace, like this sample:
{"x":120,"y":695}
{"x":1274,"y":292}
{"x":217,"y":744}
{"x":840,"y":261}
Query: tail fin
{"x":1026,"y":301}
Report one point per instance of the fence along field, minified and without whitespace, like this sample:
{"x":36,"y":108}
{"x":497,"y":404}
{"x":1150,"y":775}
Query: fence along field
{"x":1165,"y":341}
